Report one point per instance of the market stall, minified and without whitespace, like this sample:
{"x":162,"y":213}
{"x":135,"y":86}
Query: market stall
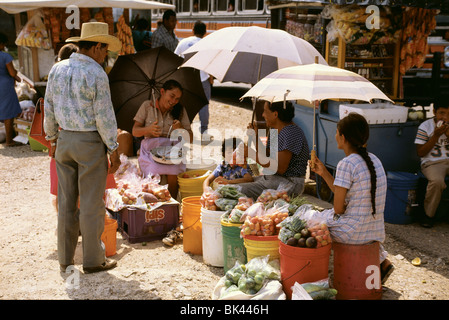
{"x":40,"y":39}
{"x":382,"y":45}
{"x":42,"y":28}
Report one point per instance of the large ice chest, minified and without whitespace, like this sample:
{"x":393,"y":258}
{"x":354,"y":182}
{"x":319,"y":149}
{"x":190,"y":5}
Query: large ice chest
{"x":376,"y":113}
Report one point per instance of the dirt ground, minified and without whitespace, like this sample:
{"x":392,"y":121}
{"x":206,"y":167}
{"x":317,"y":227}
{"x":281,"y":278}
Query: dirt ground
{"x":29,"y":267}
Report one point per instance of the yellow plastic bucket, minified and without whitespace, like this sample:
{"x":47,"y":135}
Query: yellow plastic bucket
{"x":257,"y":246}
{"x":192,"y":227}
{"x":192,"y":186}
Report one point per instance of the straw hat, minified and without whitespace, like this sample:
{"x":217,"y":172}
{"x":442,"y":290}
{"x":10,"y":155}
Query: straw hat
{"x":97,"y":32}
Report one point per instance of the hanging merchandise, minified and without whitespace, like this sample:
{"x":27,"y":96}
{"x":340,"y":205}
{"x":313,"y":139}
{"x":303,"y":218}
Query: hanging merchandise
{"x":418,"y":23}
{"x":124,"y":33}
{"x":34,"y":34}
{"x":351,"y":23}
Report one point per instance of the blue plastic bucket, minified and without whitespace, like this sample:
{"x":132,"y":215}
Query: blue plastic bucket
{"x":401,"y":197}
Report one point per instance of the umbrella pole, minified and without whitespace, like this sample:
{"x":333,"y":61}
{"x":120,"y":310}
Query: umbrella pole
{"x":313,"y":152}
{"x":258,"y":79}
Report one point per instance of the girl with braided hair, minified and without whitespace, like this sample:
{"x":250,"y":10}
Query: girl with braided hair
{"x":360,"y":188}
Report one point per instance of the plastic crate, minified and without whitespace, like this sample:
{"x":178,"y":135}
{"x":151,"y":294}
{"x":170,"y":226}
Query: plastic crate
{"x":137,"y":225}
{"x":376,"y":113}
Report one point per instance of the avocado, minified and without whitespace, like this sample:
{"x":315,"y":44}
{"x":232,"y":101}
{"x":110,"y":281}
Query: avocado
{"x":311,"y":242}
{"x":305,"y":233}
{"x":292,"y":241}
{"x":302,"y":243}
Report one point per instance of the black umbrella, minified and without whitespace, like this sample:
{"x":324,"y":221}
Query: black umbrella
{"x":136,"y":77}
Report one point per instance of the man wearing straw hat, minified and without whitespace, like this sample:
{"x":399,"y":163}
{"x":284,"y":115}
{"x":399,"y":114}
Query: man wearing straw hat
{"x":81,"y":126}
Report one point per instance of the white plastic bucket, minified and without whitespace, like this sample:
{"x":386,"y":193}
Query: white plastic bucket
{"x":212,"y":238}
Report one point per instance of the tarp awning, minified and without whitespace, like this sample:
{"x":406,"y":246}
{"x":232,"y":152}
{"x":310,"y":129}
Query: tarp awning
{"x":16,"y":6}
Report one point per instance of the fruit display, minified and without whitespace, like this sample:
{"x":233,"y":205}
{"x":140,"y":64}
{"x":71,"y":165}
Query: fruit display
{"x":264,"y":224}
{"x":298,"y":232}
{"x":124,"y":34}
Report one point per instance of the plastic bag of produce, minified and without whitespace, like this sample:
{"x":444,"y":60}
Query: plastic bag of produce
{"x":316,"y":225}
{"x":128,"y":167}
{"x":261,"y":222}
{"x":230,"y":192}
{"x":225,"y":204}
{"x":208,"y":198}
{"x":235,"y":215}
{"x":270,"y":195}
{"x":318,"y":290}
{"x":259,"y":279}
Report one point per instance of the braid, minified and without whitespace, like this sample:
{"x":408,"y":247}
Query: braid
{"x":364,"y":154}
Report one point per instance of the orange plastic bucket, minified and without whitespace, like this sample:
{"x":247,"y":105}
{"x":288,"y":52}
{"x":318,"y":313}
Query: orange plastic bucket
{"x":356,"y":271}
{"x":302,"y":265}
{"x":192,"y":227}
{"x":109,"y":236}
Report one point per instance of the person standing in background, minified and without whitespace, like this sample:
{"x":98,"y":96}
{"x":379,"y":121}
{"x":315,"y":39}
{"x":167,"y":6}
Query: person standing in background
{"x":9,"y":102}
{"x":141,"y":35}
{"x":199,"y":31}
{"x":164,"y":34}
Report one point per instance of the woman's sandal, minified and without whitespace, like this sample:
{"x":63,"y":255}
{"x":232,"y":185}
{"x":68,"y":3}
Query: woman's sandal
{"x":385,"y":274}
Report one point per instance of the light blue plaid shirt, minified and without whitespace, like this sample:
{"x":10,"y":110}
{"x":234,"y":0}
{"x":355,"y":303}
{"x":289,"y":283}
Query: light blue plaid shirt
{"x":78,"y":98}
{"x":357,"y":225}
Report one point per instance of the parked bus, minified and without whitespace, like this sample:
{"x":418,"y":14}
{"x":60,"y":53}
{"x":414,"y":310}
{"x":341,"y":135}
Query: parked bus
{"x":216,"y":14}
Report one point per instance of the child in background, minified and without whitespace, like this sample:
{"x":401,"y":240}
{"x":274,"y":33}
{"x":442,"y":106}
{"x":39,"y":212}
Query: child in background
{"x":229,"y":171}
{"x":432,"y":145}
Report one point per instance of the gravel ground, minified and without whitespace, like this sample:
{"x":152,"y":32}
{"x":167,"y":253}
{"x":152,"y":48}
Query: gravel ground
{"x":29,"y":268}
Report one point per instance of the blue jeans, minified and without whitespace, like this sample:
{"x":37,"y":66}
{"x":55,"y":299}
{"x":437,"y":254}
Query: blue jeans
{"x":204,"y":112}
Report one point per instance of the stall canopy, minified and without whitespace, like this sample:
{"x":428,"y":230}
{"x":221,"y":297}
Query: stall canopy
{"x":16,"y":6}
{"x":442,"y":5}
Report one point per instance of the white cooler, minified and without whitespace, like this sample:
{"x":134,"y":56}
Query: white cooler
{"x":377,"y":113}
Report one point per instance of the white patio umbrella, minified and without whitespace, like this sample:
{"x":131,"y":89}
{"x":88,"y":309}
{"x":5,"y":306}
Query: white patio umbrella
{"x":314,"y":83}
{"x":247,"y":54}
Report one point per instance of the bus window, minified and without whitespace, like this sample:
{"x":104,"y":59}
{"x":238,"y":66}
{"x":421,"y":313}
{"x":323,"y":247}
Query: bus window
{"x":201,"y":6}
{"x":228,"y":5}
{"x":245,"y":5}
{"x":160,"y":12}
{"x":183,"y":6}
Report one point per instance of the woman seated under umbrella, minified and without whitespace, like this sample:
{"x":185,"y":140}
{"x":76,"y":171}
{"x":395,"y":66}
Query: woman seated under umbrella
{"x":288,"y":159}
{"x":155,"y":121}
